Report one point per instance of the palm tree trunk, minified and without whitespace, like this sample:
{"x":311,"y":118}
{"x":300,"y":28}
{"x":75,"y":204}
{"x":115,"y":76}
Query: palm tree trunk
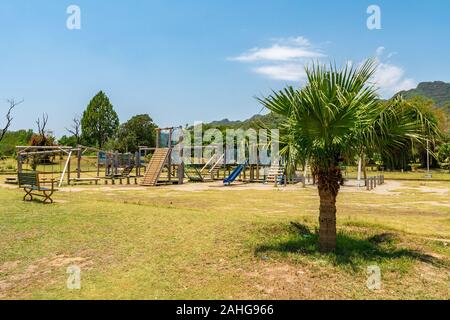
{"x":328,"y":185}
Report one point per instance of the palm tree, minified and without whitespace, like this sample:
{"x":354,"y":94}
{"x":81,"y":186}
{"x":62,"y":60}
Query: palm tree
{"x":337,"y":115}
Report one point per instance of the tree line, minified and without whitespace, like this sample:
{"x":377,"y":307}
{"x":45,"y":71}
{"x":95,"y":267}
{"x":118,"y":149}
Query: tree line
{"x":98,"y":127}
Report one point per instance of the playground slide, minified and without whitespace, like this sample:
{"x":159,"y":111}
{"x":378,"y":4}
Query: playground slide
{"x":236,"y":172}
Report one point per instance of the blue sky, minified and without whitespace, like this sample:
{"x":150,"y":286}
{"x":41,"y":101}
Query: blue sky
{"x":186,"y":61}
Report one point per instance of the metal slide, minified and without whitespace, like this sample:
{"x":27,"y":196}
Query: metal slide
{"x":236,"y":172}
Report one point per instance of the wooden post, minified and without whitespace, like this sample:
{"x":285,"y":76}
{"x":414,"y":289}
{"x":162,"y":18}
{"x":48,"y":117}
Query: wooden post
{"x":68,"y":168}
{"x":158,"y":132}
{"x":116,"y":162}
{"x":98,"y":164}
{"x":79,"y":163}
{"x":106,"y":164}
{"x":180,"y":168}
{"x":137,"y":161}
{"x":19,"y":163}
{"x":169,"y":159}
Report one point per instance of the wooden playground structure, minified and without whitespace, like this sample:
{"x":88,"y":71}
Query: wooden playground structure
{"x":149,"y":166}
{"x":92,"y":165}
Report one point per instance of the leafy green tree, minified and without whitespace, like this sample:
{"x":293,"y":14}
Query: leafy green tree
{"x":138,"y":131}
{"x":70,"y":141}
{"x":443,"y":155}
{"x":12,"y":139}
{"x":99,"y":121}
{"x":337,"y":116}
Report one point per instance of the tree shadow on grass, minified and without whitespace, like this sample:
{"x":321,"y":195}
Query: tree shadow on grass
{"x":350,"y":251}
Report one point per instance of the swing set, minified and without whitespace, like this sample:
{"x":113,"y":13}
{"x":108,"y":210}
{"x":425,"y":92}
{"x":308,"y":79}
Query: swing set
{"x":89,"y":162}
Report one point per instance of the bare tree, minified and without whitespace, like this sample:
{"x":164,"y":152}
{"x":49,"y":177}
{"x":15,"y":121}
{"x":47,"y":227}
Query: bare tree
{"x":75,"y":130}
{"x":9,"y":118}
{"x":41,"y":127}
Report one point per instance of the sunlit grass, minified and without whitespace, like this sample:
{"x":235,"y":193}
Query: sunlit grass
{"x":172,"y":243}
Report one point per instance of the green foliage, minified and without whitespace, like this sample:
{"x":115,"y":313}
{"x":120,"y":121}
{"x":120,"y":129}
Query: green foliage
{"x":99,"y":121}
{"x":443,"y":154}
{"x":138,"y":131}
{"x":325,"y":120}
{"x":416,"y":114}
{"x":338,"y":116}
{"x":70,"y":141}
{"x":438,"y":91}
{"x":13,"y":139}
{"x":270,"y":120}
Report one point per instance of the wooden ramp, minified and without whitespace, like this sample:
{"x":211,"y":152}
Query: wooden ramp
{"x":155,"y":167}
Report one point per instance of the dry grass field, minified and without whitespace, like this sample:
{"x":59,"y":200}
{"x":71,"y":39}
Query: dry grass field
{"x":200,"y":241}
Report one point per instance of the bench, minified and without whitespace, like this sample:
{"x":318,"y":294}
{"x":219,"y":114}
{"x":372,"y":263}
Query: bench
{"x":30,"y":183}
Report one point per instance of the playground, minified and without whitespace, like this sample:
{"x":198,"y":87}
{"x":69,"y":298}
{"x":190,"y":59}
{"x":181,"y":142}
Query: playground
{"x":207,"y":240}
{"x":148,"y":226}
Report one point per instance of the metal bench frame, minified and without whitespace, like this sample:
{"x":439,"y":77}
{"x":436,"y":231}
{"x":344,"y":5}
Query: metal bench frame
{"x":31,"y":184}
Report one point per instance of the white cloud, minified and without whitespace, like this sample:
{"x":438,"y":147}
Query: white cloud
{"x":285,"y":59}
{"x":390,"y":55}
{"x":278,"y":53}
{"x":380,"y":51}
{"x":299,"y":41}
{"x":287,"y":72}
{"x":389,"y":77}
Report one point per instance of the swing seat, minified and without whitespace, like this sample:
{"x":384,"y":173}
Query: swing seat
{"x":29,"y":182}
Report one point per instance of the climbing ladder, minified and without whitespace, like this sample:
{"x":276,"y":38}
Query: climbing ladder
{"x":155,"y":167}
{"x":216,"y":166}
{"x":276,"y":173}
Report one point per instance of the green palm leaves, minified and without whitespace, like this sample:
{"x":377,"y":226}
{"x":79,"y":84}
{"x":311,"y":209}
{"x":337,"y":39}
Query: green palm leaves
{"x":338,"y":114}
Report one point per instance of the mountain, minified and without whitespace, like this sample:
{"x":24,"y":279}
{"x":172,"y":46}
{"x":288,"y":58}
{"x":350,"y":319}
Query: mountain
{"x":269,"y":120}
{"x":438,"y":91}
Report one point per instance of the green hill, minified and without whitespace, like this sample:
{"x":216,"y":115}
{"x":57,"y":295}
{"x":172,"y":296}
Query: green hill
{"x":438,"y":91}
{"x":269,"y":120}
